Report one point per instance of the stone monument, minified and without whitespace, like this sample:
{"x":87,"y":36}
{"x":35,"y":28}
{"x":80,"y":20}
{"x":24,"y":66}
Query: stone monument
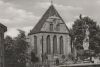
{"x":87,"y":58}
{"x":86,"y":39}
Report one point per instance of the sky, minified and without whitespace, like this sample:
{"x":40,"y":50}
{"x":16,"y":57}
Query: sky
{"x":24,"y":14}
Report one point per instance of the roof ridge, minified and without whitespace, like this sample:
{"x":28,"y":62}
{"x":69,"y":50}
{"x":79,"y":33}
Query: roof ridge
{"x":50,"y":12}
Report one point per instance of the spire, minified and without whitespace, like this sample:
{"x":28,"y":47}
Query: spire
{"x":51,"y":2}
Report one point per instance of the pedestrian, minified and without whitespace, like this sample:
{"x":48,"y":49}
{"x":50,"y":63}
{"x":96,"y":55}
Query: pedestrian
{"x":57,"y":61}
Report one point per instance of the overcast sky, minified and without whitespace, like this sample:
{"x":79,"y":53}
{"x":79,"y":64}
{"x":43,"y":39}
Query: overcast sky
{"x":24,"y":14}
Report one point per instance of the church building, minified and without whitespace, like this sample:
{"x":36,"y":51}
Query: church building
{"x":50,"y":35}
{"x":3,"y":29}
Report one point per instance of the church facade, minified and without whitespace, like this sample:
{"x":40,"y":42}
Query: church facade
{"x":50,"y":36}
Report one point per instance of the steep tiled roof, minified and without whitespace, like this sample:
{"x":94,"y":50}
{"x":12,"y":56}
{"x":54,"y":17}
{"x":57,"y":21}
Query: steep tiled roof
{"x":50,"y":12}
{"x":3,"y":27}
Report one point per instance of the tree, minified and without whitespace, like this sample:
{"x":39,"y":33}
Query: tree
{"x":15,"y":50}
{"x":78,"y":33}
{"x":9,"y":52}
{"x":21,"y":47}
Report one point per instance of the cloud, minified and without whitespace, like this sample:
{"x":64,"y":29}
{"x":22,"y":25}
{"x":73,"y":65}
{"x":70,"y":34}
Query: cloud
{"x":98,"y":2}
{"x":67,"y":12}
{"x":13,"y":32}
{"x":59,"y":6}
{"x":14,"y":17}
{"x":69,"y":24}
{"x":27,"y":29}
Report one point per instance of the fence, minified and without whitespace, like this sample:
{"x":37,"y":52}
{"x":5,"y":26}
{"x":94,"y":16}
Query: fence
{"x":40,"y":65}
{"x":47,"y":63}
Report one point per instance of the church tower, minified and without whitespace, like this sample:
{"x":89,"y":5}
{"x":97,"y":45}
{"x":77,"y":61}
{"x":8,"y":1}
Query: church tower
{"x":50,"y":36}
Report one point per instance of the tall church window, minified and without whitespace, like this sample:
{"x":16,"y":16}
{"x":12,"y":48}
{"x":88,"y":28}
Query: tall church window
{"x":51,"y":27}
{"x":54,"y":45}
{"x":41,"y":41}
{"x":48,"y":45}
{"x":35,"y":44}
{"x":61,"y":45}
{"x":58,"y":27}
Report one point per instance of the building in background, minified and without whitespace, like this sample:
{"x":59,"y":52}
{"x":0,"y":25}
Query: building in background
{"x":3,"y":29}
{"x":50,"y":36}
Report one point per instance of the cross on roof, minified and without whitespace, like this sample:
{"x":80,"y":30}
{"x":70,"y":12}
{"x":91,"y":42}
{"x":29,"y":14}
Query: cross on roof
{"x":51,"y":2}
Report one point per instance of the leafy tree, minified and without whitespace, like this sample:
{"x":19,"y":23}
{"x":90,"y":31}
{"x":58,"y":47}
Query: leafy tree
{"x":9,"y":52}
{"x":21,"y":47}
{"x":15,"y":50}
{"x":78,"y":33}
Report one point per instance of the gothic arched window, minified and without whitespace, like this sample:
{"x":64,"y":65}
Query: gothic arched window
{"x":35,"y":44}
{"x":48,"y":44}
{"x":54,"y":45}
{"x":51,"y":27}
{"x":61,"y":45}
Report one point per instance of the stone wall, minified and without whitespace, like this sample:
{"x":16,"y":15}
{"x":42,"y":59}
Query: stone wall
{"x":81,"y":65}
{"x":66,"y":43}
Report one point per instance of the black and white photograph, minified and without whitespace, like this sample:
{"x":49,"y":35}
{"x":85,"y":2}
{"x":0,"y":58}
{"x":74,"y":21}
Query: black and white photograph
{"x":49,"y":33}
